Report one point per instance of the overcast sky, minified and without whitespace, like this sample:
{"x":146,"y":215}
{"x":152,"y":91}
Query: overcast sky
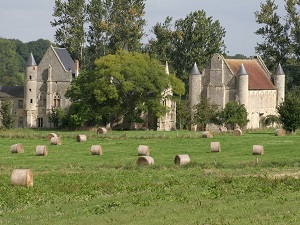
{"x":29,"y":20}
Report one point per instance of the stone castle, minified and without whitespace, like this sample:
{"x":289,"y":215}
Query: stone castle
{"x":247,"y":81}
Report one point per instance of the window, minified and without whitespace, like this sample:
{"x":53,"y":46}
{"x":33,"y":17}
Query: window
{"x":56,"y":100}
{"x":30,"y":100}
{"x":40,"y":122}
{"x":29,"y":77}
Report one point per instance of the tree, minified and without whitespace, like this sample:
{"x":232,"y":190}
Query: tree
{"x":204,"y":112}
{"x":6,"y":113}
{"x":125,"y":85}
{"x":71,"y":17}
{"x":275,"y":47}
{"x":233,"y":114}
{"x":289,"y":111}
{"x":56,"y":116}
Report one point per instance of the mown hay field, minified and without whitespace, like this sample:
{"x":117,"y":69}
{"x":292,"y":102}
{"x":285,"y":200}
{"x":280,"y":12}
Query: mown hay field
{"x":73,"y":186}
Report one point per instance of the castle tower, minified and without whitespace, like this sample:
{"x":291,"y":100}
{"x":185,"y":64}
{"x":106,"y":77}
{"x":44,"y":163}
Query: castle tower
{"x":30,"y":97}
{"x":194,"y":86}
{"x":279,"y":82}
{"x":243,"y":80}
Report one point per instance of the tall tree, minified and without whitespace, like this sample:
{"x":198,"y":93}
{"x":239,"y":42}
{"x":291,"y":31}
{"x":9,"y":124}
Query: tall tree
{"x":71,"y":17}
{"x":122,"y":85}
{"x":7,"y":114}
{"x":275,"y":46}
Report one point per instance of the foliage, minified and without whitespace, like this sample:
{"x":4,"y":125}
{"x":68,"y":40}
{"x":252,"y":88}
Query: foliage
{"x":71,"y":17}
{"x":7,"y":113}
{"x":270,"y":120}
{"x":183,"y":114}
{"x":289,"y":111}
{"x":233,"y":114}
{"x":124,"y":85}
{"x":56,"y":116}
{"x":204,"y":112}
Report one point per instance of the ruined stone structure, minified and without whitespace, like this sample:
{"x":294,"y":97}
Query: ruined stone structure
{"x":247,"y":81}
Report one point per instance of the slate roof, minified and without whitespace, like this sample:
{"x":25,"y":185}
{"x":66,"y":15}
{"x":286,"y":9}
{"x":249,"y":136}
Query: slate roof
{"x":258,"y":77}
{"x":31,"y":61}
{"x":195,"y":70}
{"x":12,"y":91}
{"x":65,"y":59}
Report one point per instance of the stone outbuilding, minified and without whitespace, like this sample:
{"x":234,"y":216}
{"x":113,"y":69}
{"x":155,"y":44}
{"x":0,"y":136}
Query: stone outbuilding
{"x":247,"y":81}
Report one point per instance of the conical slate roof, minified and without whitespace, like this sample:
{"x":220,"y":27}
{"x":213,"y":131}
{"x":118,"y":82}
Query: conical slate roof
{"x":242,"y":70}
{"x":279,"y":70}
{"x":195,"y":70}
{"x":31,"y":61}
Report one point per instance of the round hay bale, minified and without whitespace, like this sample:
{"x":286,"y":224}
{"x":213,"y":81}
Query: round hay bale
{"x":101,"y":130}
{"x":237,"y":132}
{"x":17,"y":148}
{"x":280,"y":132}
{"x":145,"y":161}
{"x":182,"y":159}
{"x":81,"y":138}
{"x":51,"y":135}
{"x":143,"y":150}
{"x":207,"y":134}
{"x":41,"y":150}
{"x":258,"y":150}
{"x":22,"y":177}
{"x":55,"y":141}
{"x":96,"y":150}
{"x":215,"y":147}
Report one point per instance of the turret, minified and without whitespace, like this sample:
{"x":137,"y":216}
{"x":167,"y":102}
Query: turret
{"x":194,"y":86}
{"x":30,"y":84}
{"x":243,"y":80}
{"x":279,"y":82}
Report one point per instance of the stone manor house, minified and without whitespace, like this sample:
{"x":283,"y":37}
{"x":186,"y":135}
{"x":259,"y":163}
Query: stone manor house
{"x":245,"y":80}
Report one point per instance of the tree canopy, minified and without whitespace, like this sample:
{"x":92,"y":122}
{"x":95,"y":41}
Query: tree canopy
{"x":124,"y":85}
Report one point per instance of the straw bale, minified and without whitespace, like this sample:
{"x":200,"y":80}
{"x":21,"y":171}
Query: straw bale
{"x":182,"y":159}
{"x":96,"y":150}
{"x":143,"y":150}
{"x":101,"y":130}
{"x":207,"y":134}
{"x":17,"y":148}
{"x":280,"y":132}
{"x":55,"y":141}
{"x":51,"y":135}
{"x":81,"y":138}
{"x":215,"y":147}
{"x":237,"y":132}
{"x":41,"y":150}
{"x":258,"y":150}
{"x":145,"y":160}
{"x":22,"y":177}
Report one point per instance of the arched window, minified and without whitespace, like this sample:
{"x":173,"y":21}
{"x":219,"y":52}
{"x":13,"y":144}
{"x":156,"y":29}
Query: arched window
{"x":56,"y":100}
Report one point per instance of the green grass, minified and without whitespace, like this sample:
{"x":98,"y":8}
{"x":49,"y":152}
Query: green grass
{"x":71,"y":186}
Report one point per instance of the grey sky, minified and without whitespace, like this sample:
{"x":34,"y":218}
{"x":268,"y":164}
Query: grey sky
{"x":30,"y":20}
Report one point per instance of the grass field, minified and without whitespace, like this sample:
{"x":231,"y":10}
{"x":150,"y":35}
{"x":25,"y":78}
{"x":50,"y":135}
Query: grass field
{"x":71,"y":186}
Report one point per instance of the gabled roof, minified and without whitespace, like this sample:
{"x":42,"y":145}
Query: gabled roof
{"x":65,"y":59}
{"x":12,"y":91}
{"x":258,"y":76}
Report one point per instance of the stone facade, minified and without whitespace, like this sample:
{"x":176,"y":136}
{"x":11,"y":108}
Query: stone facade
{"x":247,"y":81}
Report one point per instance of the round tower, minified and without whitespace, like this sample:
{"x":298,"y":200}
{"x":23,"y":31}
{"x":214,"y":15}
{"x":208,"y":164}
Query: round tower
{"x":279,"y":82}
{"x":194,"y":86}
{"x":243,"y":80}
{"x":30,"y":84}
{"x":30,"y":97}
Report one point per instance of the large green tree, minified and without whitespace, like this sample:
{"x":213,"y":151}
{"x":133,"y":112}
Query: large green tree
{"x":6,"y":112}
{"x":124,"y":85}
{"x":289,"y":111}
{"x":70,"y":20}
